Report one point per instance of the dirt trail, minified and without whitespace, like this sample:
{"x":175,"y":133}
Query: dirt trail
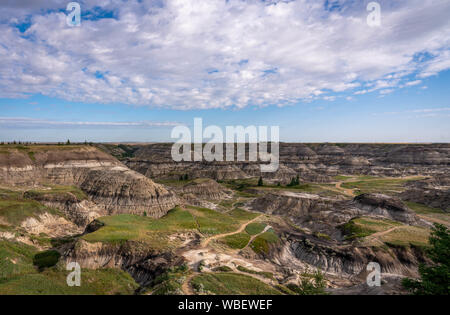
{"x":186,"y":287}
{"x":435,"y":220}
{"x":206,"y":241}
{"x":347,"y":191}
{"x":376,"y":236}
{"x":381,"y":233}
{"x":268,"y":227}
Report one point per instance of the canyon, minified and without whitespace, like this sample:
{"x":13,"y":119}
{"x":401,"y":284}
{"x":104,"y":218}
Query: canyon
{"x":170,"y":225}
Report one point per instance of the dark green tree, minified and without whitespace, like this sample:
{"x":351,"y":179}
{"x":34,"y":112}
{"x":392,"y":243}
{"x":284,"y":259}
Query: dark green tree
{"x":294,"y":181}
{"x":434,"y":278}
{"x":260,"y":181}
{"x":68,"y":142}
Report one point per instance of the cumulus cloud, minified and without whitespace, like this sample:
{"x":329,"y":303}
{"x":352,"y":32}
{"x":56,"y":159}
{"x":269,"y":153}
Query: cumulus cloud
{"x":197,"y":54}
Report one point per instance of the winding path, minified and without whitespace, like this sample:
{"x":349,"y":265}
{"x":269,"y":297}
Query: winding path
{"x":206,"y":241}
{"x":347,"y":191}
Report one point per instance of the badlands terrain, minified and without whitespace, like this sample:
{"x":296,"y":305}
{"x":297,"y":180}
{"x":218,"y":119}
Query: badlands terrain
{"x":139,"y":223}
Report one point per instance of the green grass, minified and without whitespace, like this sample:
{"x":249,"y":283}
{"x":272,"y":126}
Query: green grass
{"x":362,"y":227}
{"x":342,"y":177}
{"x":15,"y":259}
{"x":402,"y":235}
{"x":128,"y":227}
{"x":379,"y":185}
{"x":53,"y":282}
{"x":15,"y":211}
{"x":211,"y":222}
{"x":423,"y":209}
{"x":322,"y":235}
{"x":58,"y":190}
{"x":173,"y":182}
{"x":236,"y":241}
{"x":18,"y":275}
{"x":261,"y":243}
{"x":226,"y":204}
{"x":241,"y":184}
{"x":242,"y":215}
{"x":232,"y":284}
{"x":10,"y":194}
{"x":429,"y":212}
{"x":223,"y":269}
{"x":406,"y":236}
{"x":265,"y":274}
{"x":170,"y":282}
{"x":255,"y":228}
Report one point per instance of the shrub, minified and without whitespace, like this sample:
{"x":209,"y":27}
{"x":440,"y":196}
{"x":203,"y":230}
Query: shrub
{"x":46,"y":259}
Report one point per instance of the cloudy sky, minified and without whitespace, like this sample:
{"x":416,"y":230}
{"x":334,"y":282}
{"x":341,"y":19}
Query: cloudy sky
{"x":134,"y":69}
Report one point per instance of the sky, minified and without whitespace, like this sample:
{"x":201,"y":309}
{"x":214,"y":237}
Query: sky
{"x":133,"y":70}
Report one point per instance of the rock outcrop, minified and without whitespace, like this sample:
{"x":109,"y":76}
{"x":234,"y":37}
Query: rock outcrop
{"x":433,"y":192}
{"x":77,"y":210}
{"x":51,"y":225}
{"x":348,"y":260}
{"x":207,"y":189}
{"x":313,"y":162}
{"x":387,"y":207}
{"x":324,"y":215}
{"x":109,"y":184}
{"x":137,"y":258}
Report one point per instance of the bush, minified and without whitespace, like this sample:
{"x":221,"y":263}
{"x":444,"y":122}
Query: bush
{"x":223,"y":269}
{"x":46,"y":259}
{"x":310,"y":284}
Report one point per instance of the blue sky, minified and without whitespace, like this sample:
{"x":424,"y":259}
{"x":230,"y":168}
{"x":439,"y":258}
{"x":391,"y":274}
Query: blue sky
{"x":134,"y":70}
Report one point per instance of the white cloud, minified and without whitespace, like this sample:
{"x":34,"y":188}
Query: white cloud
{"x":24,"y":121}
{"x":421,"y":112}
{"x":217,"y":54}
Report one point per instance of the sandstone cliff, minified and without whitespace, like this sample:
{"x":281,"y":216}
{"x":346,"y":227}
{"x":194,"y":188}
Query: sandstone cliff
{"x":313,"y":162}
{"x":109,"y":184}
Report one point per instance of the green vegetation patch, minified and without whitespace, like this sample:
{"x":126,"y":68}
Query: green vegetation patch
{"x":15,"y":259}
{"x":242,"y":215}
{"x":211,"y":222}
{"x":16,"y":210}
{"x":57,"y":190}
{"x":236,"y":241}
{"x":53,"y":282}
{"x":265,"y":274}
{"x":406,"y":236}
{"x":362,"y":227}
{"x":46,"y":259}
{"x":379,"y":185}
{"x":223,"y":269}
{"x":429,"y":212}
{"x":170,"y":282}
{"x":126,"y":227}
{"x":255,"y":228}
{"x":10,"y":194}
{"x":261,"y":243}
{"x":231,"y":283}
